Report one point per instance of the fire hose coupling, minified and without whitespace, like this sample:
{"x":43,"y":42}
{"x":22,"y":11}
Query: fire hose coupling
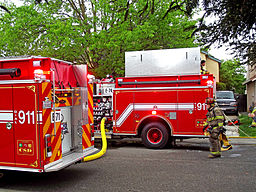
{"x":104,"y":143}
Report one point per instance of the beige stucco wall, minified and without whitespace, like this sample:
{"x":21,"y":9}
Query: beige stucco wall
{"x":250,"y":88}
{"x":251,"y":85}
{"x":212,"y":66}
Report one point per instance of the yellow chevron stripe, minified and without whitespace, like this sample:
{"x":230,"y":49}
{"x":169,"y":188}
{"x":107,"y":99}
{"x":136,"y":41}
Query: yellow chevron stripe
{"x":90,"y":100}
{"x":91,"y":87}
{"x":49,"y":95}
{"x":44,"y":110}
{"x":88,"y":127}
{"x":44,"y":85}
{"x":56,"y":149}
{"x":90,"y":116}
{"x":67,"y":103}
{"x":78,"y":101}
{"x":57,"y":129}
{"x":47,"y":124}
{"x":86,"y":140}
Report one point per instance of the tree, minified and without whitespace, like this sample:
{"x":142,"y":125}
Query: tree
{"x":232,"y":74}
{"x":33,"y":30}
{"x":96,"y":32}
{"x":2,"y":7}
{"x":114,"y":27}
{"x":232,"y":22}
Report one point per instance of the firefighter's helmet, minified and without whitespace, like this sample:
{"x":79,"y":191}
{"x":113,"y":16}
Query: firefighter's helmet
{"x":210,"y":101}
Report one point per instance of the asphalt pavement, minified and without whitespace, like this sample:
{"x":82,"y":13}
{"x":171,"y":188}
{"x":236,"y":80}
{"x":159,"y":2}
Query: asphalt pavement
{"x":129,"y":166}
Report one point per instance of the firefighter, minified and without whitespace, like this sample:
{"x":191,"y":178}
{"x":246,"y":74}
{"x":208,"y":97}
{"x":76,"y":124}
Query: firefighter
{"x":224,"y":143}
{"x":203,"y":71}
{"x":252,"y":114}
{"x":214,"y":123}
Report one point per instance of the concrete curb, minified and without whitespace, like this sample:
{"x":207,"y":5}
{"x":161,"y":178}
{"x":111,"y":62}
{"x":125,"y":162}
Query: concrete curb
{"x":241,"y":137}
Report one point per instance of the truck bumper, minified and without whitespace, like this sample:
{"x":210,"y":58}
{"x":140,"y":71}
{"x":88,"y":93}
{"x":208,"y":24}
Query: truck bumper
{"x":69,"y":159}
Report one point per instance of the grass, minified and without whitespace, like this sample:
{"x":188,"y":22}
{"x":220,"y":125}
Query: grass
{"x":244,"y":126}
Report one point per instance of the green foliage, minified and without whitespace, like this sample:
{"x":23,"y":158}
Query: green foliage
{"x":221,"y":86}
{"x":232,"y":74}
{"x":35,"y":30}
{"x":232,"y":22}
{"x":245,"y":130}
{"x":96,"y":32}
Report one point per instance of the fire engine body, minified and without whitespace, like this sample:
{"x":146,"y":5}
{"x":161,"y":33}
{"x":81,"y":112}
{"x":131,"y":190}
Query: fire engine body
{"x":44,"y":114}
{"x":157,"y":108}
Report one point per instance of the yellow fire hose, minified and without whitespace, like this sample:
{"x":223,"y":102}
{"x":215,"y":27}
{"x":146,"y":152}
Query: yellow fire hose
{"x":104,"y":143}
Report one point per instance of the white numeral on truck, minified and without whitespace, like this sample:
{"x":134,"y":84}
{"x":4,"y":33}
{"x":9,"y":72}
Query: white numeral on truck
{"x":28,"y":117}
{"x":200,"y":106}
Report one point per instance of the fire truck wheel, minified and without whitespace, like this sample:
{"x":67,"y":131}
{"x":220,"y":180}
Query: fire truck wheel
{"x":155,"y":135}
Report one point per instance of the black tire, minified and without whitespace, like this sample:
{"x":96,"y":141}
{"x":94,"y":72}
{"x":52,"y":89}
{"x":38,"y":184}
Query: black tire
{"x":155,"y":135}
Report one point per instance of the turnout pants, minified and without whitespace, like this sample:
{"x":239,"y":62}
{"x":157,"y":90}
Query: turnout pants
{"x":223,"y":140}
{"x":214,"y":142}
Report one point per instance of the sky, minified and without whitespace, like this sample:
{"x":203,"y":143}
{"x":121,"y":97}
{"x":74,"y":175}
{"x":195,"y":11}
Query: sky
{"x":219,"y":53}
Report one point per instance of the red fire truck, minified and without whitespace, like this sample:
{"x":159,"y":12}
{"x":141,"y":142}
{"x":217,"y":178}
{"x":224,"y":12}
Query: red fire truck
{"x":161,"y":98}
{"x":44,"y":114}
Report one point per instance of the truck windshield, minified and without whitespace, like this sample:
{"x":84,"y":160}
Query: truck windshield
{"x":225,"y":95}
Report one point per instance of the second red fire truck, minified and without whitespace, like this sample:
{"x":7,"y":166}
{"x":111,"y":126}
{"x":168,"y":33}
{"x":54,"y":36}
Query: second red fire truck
{"x":44,"y":116}
{"x":161,"y":98}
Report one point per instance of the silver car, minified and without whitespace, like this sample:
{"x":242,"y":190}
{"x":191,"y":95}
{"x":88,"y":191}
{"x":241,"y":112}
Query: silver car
{"x":227,"y":102}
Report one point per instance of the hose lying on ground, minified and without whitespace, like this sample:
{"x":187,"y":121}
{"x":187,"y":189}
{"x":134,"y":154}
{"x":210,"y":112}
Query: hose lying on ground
{"x":104,"y":143}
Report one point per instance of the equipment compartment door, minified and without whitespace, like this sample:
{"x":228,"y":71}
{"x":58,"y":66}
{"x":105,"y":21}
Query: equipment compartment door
{"x":192,"y":110}
{"x":66,"y":129}
{"x":25,"y":103}
{"x":186,"y":112}
{"x":6,"y":127}
{"x":123,"y":112}
{"x":201,"y":109}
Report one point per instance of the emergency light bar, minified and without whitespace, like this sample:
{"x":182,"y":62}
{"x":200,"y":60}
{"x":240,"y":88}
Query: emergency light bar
{"x":13,"y":72}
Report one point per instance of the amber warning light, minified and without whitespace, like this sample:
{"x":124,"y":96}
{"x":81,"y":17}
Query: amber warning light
{"x":39,"y":74}
{"x":209,"y":83}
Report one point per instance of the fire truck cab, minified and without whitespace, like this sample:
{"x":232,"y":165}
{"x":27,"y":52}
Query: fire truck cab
{"x":161,"y":98}
{"x":43,"y":114}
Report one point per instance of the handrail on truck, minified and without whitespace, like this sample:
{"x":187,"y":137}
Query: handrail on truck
{"x":54,"y":110}
{"x":159,"y":82}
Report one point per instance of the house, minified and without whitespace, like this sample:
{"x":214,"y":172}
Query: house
{"x":212,"y":64}
{"x":251,"y":84}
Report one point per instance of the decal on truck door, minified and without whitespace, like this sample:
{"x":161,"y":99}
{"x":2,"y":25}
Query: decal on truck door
{"x":26,"y":116}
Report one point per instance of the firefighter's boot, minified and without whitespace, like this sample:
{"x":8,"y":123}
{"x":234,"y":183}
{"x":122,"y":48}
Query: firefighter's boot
{"x":212,"y":156}
{"x":226,"y":148}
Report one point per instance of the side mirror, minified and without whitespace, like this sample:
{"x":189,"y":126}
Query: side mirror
{"x":237,"y":97}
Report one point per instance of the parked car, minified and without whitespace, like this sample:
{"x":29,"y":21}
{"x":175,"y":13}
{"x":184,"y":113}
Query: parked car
{"x":227,"y":102}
